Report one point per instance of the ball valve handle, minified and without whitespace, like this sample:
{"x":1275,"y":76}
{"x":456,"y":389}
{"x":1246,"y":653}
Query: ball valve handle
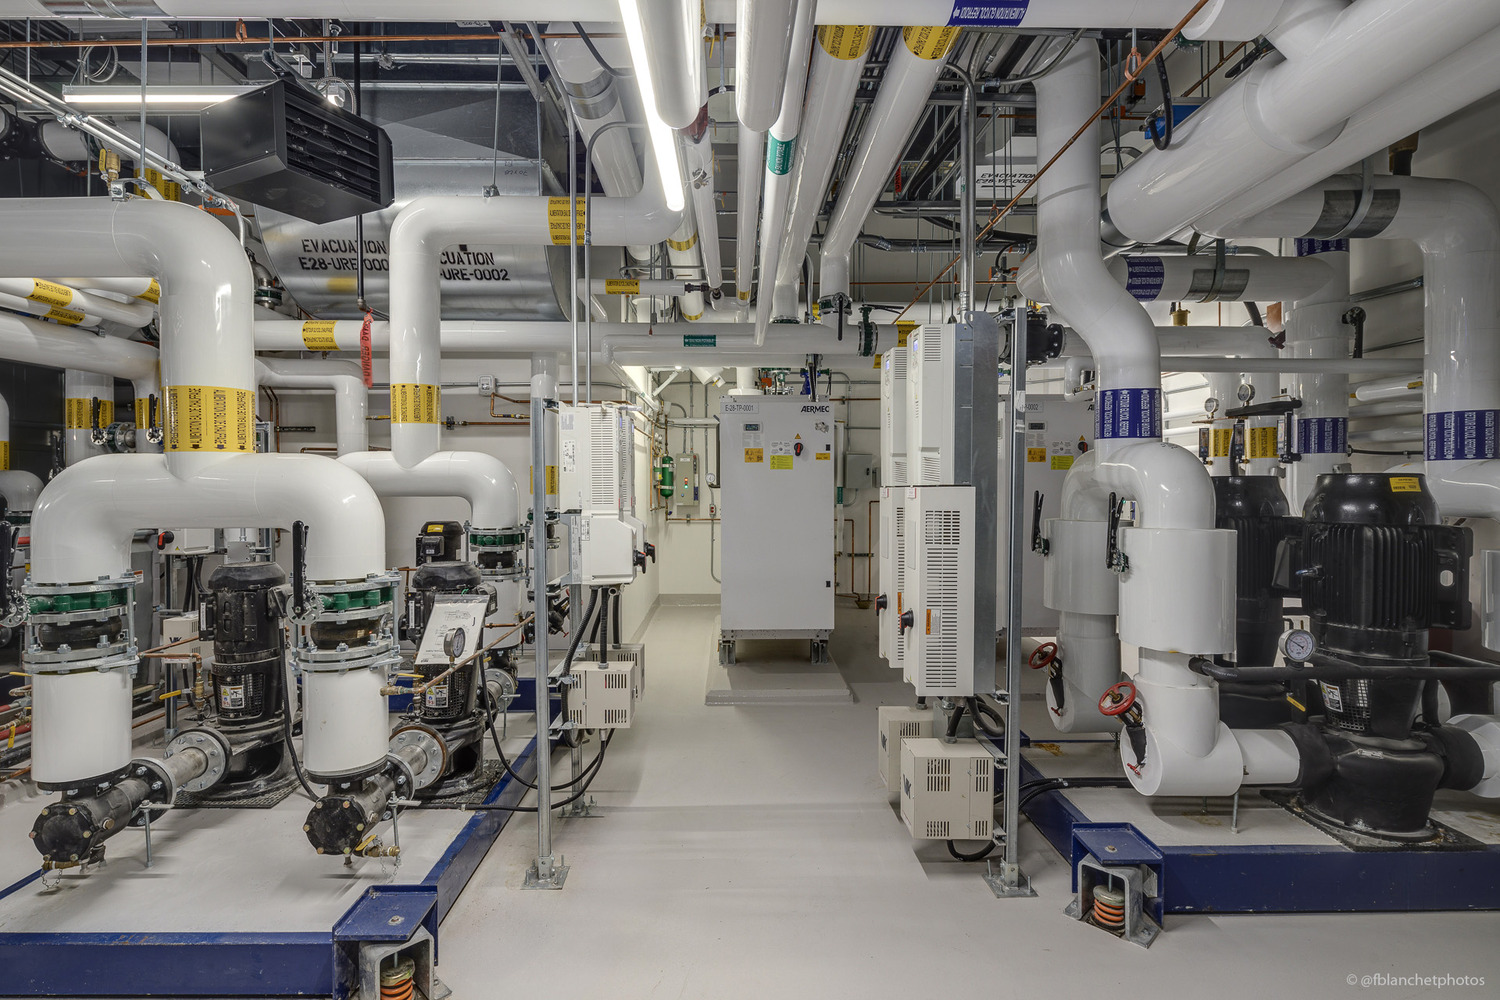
{"x":305,"y":606}
{"x":96,"y":432}
{"x":13,"y":607}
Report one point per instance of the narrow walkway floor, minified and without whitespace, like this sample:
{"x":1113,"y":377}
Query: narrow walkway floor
{"x":750,"y":852}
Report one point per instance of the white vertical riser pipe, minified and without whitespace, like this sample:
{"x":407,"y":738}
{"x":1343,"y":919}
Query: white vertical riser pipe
{"x":80,"y":389}
{"x":915,"y":66}
{"x":1265,"y":122}
{"x":700,"y":169}
{"x":351,"y":405}
{"x":674,"y":55}
{"x":838,"y":62}
{"x":682,"y":254}
{"x":781,"y":149}
{"x":752,"y":152}
{"x":763,"y":40}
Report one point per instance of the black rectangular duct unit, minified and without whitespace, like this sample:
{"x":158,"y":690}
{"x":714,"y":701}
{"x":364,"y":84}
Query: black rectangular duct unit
{"x":290,"y":150}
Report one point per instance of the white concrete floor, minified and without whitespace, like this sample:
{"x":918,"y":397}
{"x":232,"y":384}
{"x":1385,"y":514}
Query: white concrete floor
{"x":750,"y":852}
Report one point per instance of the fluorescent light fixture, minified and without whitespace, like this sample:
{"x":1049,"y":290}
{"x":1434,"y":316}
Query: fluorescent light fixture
{"x":194,"y":98}
{"x":663,"y":139}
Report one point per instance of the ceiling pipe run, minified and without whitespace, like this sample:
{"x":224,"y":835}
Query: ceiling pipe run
{"x":762,"y":45}
{"x":838,"y":63}
{"x":673,"y":32}
{"x":1200,"y":278}
{"x":907,"y":83}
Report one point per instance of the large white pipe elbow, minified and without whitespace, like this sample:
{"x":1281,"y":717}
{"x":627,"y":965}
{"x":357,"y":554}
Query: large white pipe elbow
{"x":351,"y":405}
{"x":482,"y":480}
{"x":82,"y":527}
{"x":18,"y":487}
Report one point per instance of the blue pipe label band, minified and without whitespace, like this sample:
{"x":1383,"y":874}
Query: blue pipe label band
{"x":1128,"y":413}
{"x":1323,"y":435}
{"x":1144,"y":277}
{"x":1463,"y":434}
{"x":1307,"y":248}
{"x":779,"y":154}
{"x":989,"y":13}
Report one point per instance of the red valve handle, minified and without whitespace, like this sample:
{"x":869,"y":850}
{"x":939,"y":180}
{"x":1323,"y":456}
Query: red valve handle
{"x":1118,"y":699}
{"x":1042,"y":656}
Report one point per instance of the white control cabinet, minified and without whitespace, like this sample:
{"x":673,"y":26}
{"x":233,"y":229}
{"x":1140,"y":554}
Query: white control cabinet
{"x":595,"y":488}
{"x":893,"y":411}
{"x":891,"y":565}
{"x":939,"y":619}
{"x":897,"y":723}
{"x":931,"y":380}
{"x":777,"y":508}
{"x":947,"y":790}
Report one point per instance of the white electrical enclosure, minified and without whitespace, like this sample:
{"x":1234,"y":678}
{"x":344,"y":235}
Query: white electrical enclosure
{"x":603,"y":697}
{"x":939,"y":653}
{"x":897,"y":723}
{"x":947,"y":790}
{"x":893,"y":412}
{"x":892,"y":569}
{"x":1058,"y":432}
{"x":777,"y":508}
{"x":594,"y":480}
{"x":931,"y":378}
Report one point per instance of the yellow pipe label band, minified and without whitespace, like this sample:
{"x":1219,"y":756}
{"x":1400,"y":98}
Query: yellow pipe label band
{"x":557,"y":221}
{"x":687,"y":244}
{"x":317,"y":335}
{"x":929,"y":42}
{"x":692,"y":316}
{"x":551,"y":479}
{"x":621,"y":286}
{"x":1262,"y":443}
{"x":152,"y":293}
{"x":846,"y":41}
{"x":4,"y":454}
{"x":904,"y":327}
{"x":210,"y":418}
{"x":50,"y":293}
{"x":744,"y":296}
{"x":414,"y":403}
{"x":67,"y":317}
{"x":76,"y":416}
{"x":1219,"y":441}
{"x":143,"y":413}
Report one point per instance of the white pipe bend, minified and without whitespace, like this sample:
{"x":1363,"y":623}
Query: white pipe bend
{"x":350,"y":397}
{"x":19,"y":488}
{"x":83,"y":524}
{"x":483,"y":480}
{"x":1168,"y":483}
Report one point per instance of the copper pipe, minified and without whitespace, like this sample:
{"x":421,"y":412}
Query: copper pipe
{"x":1129,"y":78}
{"x":1218,"y":66}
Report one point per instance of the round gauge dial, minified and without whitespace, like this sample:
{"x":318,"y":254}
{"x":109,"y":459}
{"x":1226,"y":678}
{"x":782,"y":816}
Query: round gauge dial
{"x":1297,"y":645}
{"x":1246,"y":392}
{"x":453,"y":643}
{"x":1211,"y":404}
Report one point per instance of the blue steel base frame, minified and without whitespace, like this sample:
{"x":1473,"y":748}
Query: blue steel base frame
{"x":1278,"y":878}
{"x":269,"y":963}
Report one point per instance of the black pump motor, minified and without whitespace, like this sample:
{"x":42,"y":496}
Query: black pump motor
{"x":244,"y":612}
{"x":1376,"y":569}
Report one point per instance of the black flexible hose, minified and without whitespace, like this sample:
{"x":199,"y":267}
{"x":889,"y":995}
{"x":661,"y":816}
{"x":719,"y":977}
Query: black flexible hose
{"x":954,"y":719}
{"x":980,"y":855}
{"x":588,"y":614}
{"x":588,"y":43}
{"x":979,"y":710}
{"x":493,"y":711}
{"x":590,"y":772}
{"x":291,"y":748}
{"x":1163,"y":140}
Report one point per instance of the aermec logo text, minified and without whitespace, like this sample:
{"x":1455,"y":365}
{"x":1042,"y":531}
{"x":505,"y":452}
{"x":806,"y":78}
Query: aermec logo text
{"x":816,"y":409}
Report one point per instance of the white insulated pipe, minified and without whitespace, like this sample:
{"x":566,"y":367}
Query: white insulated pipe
{"x":912,"y":72}
{"x":344,"y":379}
{"x":18,"y":487}
{"x":838,"y":62}
{"x":1378,"y":389}
{"x":674,"y":56}
{"x":763,"y":41}
{"x":1245,"y":278}
{"x":752,"y":152}
{"x":1283,"y":109}
{"x":699,"y":158}
{"x":50,"y":294}
{"x":80,"y":390}
{"x":420,"y":233}
{"x":682,"y":254}
{"x":781,"y":152}
{"x":482,"y":480}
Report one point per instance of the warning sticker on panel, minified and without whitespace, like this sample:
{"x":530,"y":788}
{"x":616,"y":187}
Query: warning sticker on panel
{"x":1333,"y":698}
{"x":210,"y":418}
{"x":414,"y":403}
{"x":436,"y":696}
{"x":621,"y":286}
{"x":232,"y":696}
{"x":1406,"y":484}
{"x":781,"y":461}
{"x":824,"y":456}
{"x":1061,"y":455}
{"x":755,"y":454}
{"x":1036,"y":454}
{"x":557,"y":221}
{"x":317,"y":335}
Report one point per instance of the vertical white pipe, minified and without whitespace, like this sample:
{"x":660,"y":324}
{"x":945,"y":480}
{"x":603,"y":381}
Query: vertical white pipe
{"x":781,"y":151}
{"x":80,"y":390}
{"x":700,"y":169}
{"x":343,"y":378}
{"x":752,"y":151}
{"x":838,"y":62}
{"x":763,"y":42}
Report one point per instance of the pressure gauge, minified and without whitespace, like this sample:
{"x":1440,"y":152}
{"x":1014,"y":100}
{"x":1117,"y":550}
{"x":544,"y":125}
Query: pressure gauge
{"x":1297,"y":645}
{"x":453,"y":644}
{"x":1246,"y":392}
{"x":1211,"y":405}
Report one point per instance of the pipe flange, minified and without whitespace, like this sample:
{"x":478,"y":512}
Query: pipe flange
{"x":503,"y":686}
{"x":213,"y":746}
{"x":434,"y":750}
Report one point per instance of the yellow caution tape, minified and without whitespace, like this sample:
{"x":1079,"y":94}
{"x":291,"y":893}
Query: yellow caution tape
{"x":846,"y":41}
{"x":557,"y":221}
{"x":415,"y":403}
{"x":209,"y":418}
{"x":929,"y":42}
{"x":50,"y":293}
{"x":317,"y":335}
{"x":1262,"y":443}
{"x":621,"y":286}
